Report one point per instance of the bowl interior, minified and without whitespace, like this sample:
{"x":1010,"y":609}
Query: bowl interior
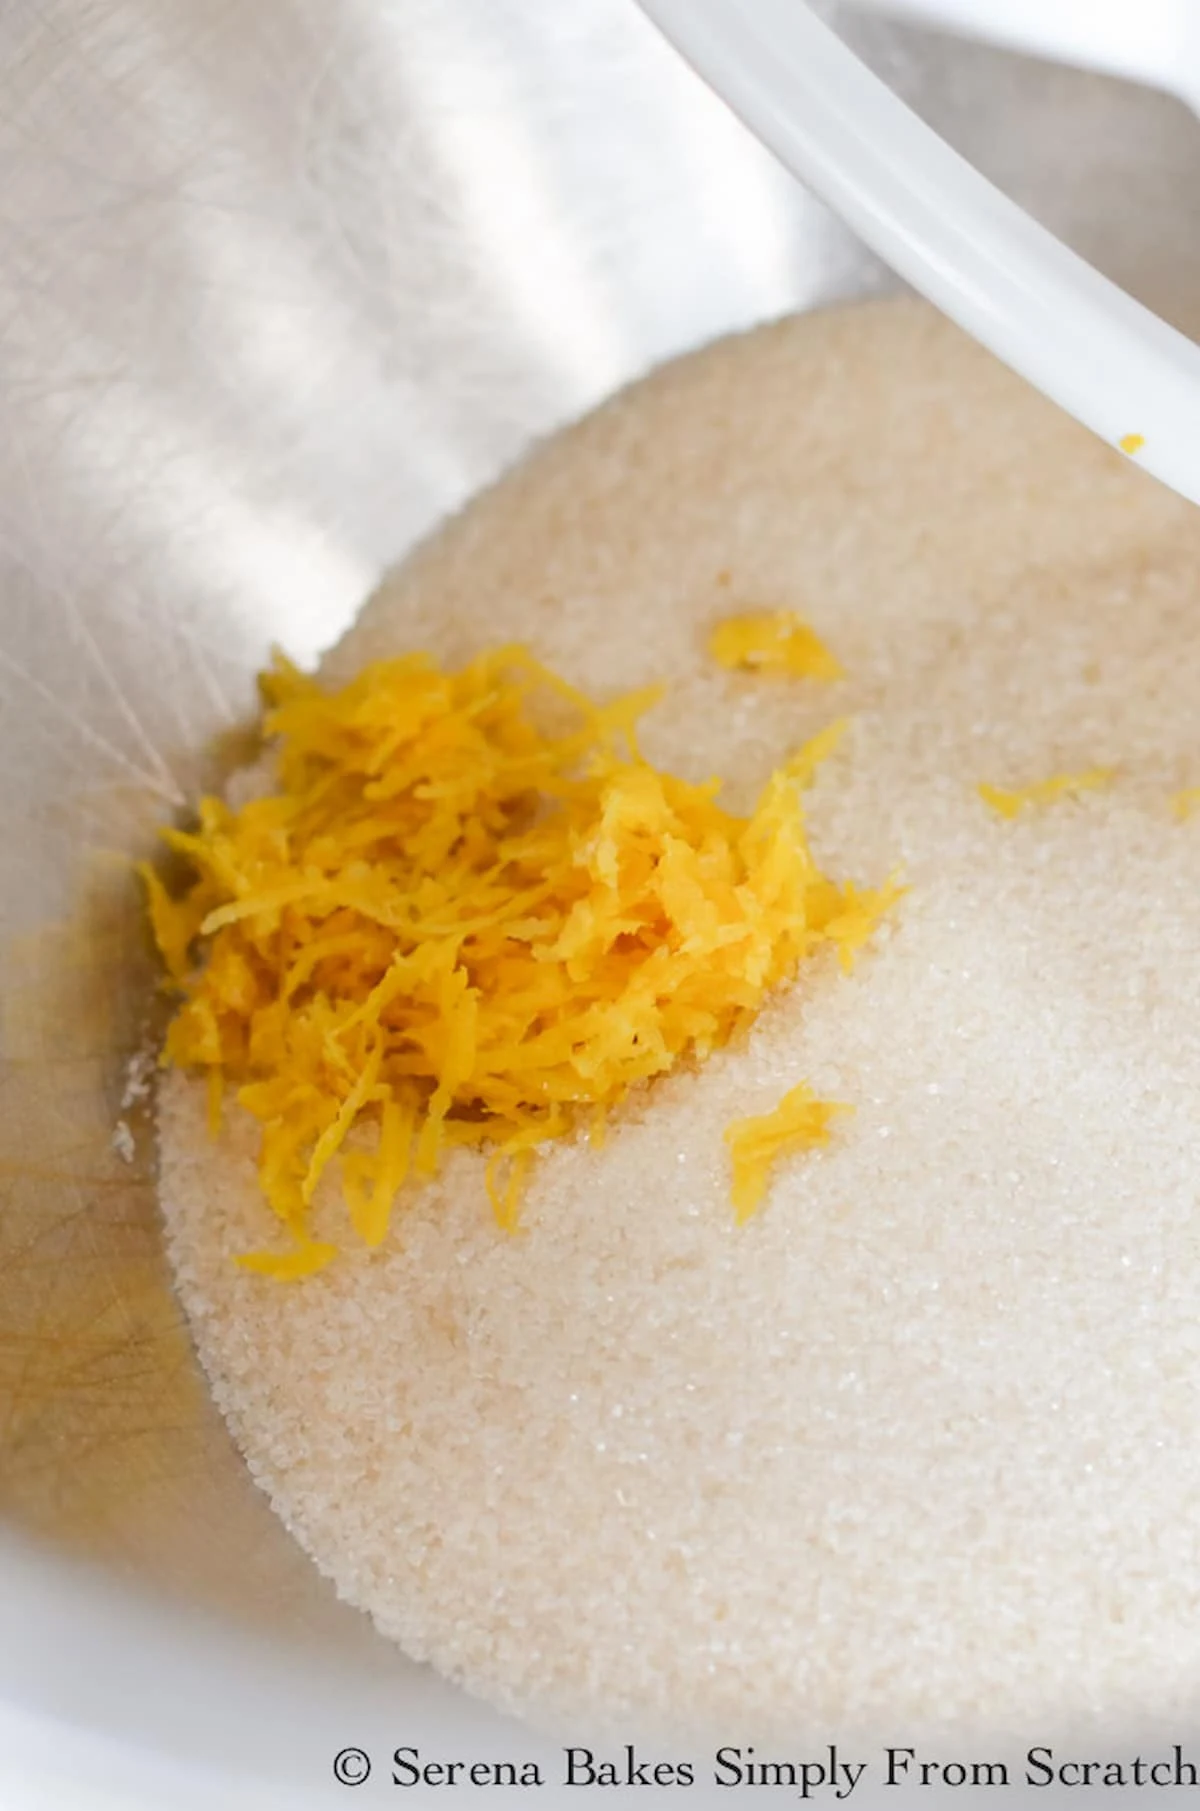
{"x":277,"y":291}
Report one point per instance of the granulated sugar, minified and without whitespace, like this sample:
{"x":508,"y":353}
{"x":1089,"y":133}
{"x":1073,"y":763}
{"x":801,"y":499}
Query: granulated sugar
{"x":919,"y":1440}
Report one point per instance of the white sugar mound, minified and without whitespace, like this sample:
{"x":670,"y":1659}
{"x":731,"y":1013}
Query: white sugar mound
{"x":920,"y":1440}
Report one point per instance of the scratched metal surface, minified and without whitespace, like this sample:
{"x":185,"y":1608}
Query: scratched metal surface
{"x":280,"y":285}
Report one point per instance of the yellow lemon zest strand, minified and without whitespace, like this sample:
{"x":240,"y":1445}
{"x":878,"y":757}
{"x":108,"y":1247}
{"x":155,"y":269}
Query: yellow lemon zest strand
{"x":308,"y":1257}
{"x":773,"y":642}
{"x":1184,"y":803}
{"x":1044,"y":792}
{"x":802,"y":766}
{"x":216,"y":1100}
{"x":471,"y":914}
{"x":800,"y":1122}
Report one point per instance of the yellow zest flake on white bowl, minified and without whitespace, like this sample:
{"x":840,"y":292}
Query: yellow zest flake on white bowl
{"x":1185,"y":803}
{"x":471,"y":914}
{"x":1010,"y":804}
{"x":800,"y":1122}
{"x":776,"y":642}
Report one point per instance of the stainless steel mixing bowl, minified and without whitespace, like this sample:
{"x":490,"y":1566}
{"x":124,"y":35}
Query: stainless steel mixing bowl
{"x":280,"y":285}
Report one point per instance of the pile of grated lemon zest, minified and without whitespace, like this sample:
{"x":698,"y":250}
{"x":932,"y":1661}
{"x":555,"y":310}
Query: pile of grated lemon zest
{"x":1044,"y":792}
{"x":471,"y":915}
{"x":773,"y":642}
{"x":1184,"y":803}
{"x":800,"y":1122}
